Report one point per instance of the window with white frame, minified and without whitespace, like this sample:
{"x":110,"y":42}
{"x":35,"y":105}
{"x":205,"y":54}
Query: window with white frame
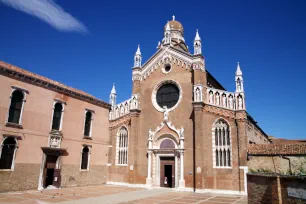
{"x":88,"y":122}
{"x":222,"y":144}
{"x":122,"y":146}
{"x":7,"y":153}
{"x":16,"y":107}
{"x":57,"y":116}
{"x":85,"y":156}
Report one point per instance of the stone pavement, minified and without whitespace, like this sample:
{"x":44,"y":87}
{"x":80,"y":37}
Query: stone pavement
{"x":116,"y":194}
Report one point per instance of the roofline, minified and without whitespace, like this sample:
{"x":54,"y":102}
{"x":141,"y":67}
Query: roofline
{"x":6,"y":70}
{"x":257,"y":126}
{"x":210,"y":75}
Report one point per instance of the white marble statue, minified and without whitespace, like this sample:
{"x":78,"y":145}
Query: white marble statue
{"x":240,"y":102}
{"x":182,"y":132}
{"x":217,"y":99}
{"x":224,"y":101}
{"x":211,"y":96}
{"x":230,"y":100}
{"x":151,"y":134}
{"x":166,"y":113}
{"x":197,"y":95}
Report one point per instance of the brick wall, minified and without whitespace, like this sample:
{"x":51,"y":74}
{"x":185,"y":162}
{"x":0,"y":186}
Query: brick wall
{"x":270,"y":189}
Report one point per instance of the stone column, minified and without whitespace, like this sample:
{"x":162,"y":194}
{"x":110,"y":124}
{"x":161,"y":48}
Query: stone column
{"x":182,"y":180}
{"x":149,"y":177}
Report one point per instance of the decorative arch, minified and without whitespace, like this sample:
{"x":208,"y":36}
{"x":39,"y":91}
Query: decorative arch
{"x":160,"y":138}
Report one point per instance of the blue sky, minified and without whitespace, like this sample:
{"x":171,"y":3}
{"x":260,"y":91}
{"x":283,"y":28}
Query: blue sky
{"x":95,"y":48}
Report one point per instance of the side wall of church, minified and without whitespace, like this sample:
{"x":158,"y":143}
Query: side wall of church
{"x":36,"y":125}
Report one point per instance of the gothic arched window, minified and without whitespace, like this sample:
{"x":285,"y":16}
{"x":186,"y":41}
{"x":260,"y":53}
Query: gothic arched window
{"x":57,"y":116}
{"x":122,"y":146}
{"x":85,"y":158}
{"x":8,"y":149}
{"x":88,"y":119}
{"x":16,"y":107}
{"x":222,"y":145}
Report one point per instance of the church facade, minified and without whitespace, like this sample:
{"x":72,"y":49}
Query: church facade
{"x":180,"y":128}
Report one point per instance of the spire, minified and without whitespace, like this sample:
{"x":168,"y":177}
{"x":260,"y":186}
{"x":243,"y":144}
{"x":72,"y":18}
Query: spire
{"x":197,"y":37}
{"x":113,"y":89}
{"x":239,"y":79}
{"x":112,"y":96}
{"x":173,"y":18}
{"x":238,"y":71}
{"x":197,"y":44}
{"x":138,"y":51}
{"x":137,"y":58}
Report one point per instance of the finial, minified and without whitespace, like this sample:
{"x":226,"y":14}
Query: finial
{"x":173,"y":17}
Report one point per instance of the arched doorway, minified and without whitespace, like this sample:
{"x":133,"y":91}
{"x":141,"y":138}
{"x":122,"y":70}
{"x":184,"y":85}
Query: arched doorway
{"x":166,"y":162}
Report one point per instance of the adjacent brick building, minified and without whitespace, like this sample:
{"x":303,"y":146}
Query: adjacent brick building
{"x":181,"y":128}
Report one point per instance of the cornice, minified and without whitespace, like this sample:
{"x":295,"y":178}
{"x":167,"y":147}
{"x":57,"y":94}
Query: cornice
{"x":51,"y":85}
{"x":219,"y":111}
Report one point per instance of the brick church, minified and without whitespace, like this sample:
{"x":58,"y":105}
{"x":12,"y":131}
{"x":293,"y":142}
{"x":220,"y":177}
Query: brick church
{"x":180,"y":128}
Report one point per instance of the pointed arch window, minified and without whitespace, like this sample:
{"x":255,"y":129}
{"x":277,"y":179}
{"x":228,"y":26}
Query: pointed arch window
{"x":222,"y":144}
{"x":122,"y":147}
{"x":57,"y":116}
{"x":85,"y":156}
{"x":7,"y":155}
{"x":88,"y":123}
{"x":16,"y":107}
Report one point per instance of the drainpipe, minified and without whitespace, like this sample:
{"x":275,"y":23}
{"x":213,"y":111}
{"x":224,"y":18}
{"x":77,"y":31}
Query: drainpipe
{"x":288,"y":161}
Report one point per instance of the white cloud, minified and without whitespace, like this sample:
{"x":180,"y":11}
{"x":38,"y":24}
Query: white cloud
{"x":49,"y":12}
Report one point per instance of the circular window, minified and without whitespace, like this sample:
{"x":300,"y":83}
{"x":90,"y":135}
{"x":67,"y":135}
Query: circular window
{"x":167,"y":68}
{"x":167,"y":95}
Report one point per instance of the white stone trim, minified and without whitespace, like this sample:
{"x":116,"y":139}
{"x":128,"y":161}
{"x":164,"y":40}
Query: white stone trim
{"x":227,"y":147}
{"x":24,"y":92}
{"x":245,"y":171}
{"x":160,"y":84}
{"x":62,"y":116}
{"x":228,"y":192}
{"x":88,"y":160}
{"x":14,"y":156}
{"x":91,"y":121}
{"x":42,"y":166}
{"x":117,"y":146}
{"x":126,"y":184}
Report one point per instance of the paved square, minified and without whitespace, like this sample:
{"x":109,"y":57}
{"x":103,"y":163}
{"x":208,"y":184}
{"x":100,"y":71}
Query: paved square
{"x":117,"y":194}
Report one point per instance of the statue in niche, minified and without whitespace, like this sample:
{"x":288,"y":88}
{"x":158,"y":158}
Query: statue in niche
{"x":197,"y":95}
{"x":134,"y":103}
{"x":166,"y":113}
{"x":151,"y":134}
{"x":217,"y":99}
{"x":240,"y":102}
{"x":211,"y":96}
{"x":224,"y":100}
{"x":230,"y":101}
